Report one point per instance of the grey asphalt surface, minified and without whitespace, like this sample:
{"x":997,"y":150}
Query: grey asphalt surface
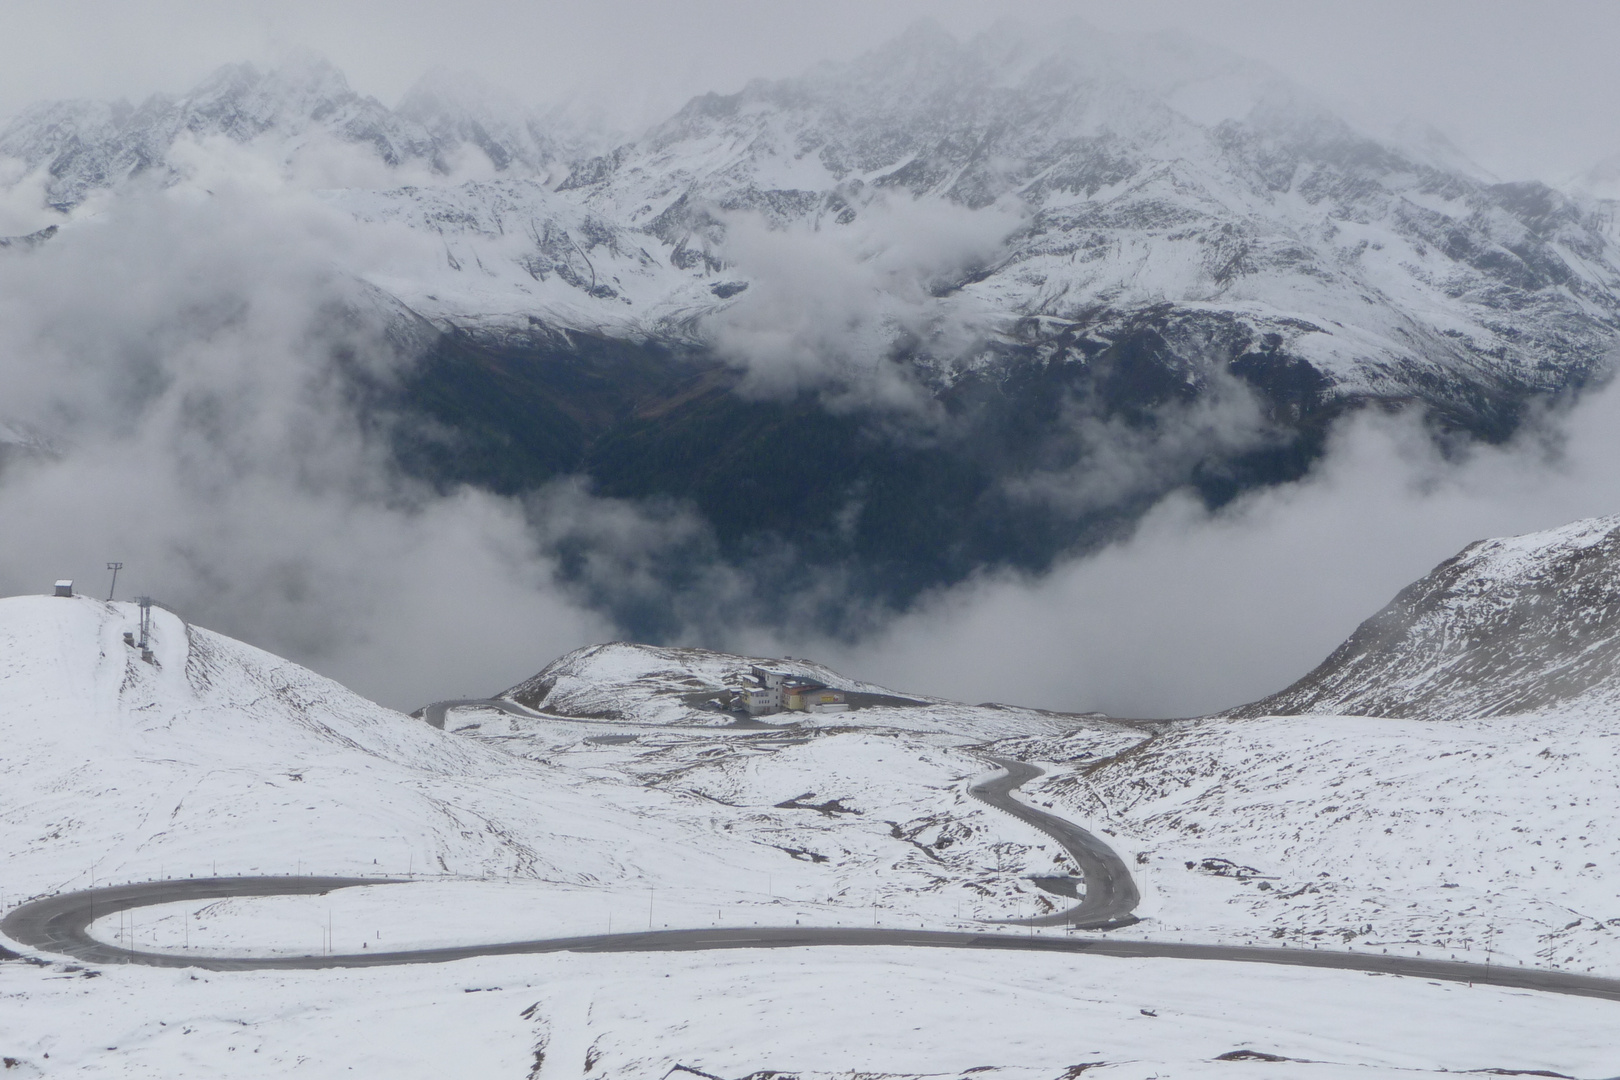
{"x":1111,"y":893}
{"x":58,"y":925}
{"x":434,"y":713}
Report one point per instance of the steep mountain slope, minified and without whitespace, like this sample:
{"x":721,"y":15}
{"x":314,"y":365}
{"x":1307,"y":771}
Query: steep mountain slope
{"x":1506,"y":626}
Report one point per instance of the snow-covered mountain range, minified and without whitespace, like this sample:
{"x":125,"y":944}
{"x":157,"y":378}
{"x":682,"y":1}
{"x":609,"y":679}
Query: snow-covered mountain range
{"x":1120,"y":190}
{"x":86,"y":146}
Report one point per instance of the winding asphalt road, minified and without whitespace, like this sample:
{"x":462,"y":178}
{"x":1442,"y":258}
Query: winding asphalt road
{"x":60,"y":925}
{"x":1111,"y":893}
{"x":434,"y":713}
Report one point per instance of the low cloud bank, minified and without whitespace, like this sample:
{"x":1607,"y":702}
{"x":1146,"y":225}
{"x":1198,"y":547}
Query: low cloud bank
{"x":1198,"y":611}
{"x":829,"y":300}
{"x":196,"y":360}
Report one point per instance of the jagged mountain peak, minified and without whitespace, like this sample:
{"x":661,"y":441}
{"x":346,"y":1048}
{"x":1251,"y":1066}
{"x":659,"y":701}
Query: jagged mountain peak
{"x":978,"y":118}
{"x":87,"y":145}
{"x":458,"y":108}
{"x":301,"y":74}
{"x":1151,"y":172}
{"x":243,"y":102}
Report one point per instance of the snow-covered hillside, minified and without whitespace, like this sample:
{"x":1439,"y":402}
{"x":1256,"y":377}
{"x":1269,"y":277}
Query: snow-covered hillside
{"x":1471,"y":808}
{"x":1481,"y":836}
{"x":1495,"y":832}
{"x":1506,"y":626}
{"x":221,"y":757}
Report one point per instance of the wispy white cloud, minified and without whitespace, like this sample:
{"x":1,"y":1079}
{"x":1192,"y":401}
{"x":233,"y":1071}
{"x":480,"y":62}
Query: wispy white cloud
{"x":829,"y":302}
{"x":191,"y":357}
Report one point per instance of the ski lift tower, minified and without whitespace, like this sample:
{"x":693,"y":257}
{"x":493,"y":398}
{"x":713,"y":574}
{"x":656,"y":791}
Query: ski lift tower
{"x":113,"y":588}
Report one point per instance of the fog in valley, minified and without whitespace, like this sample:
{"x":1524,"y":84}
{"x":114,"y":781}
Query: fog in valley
{"x":190,"y":370}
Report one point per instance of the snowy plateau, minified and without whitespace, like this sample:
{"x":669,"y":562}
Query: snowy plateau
{"x":1415,"y":816}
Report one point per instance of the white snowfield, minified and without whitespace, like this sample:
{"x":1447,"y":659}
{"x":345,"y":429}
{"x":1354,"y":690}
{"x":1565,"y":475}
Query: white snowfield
{"x":1496,"y":837}
{"x":223,"y":758}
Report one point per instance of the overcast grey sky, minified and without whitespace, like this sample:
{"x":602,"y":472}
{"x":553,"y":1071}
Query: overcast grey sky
{"x":1527,"y":88}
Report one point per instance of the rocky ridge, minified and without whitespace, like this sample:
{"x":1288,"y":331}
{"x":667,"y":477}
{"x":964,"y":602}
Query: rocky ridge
{"x":1504,"y":627}
{"x":86,"y":146}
